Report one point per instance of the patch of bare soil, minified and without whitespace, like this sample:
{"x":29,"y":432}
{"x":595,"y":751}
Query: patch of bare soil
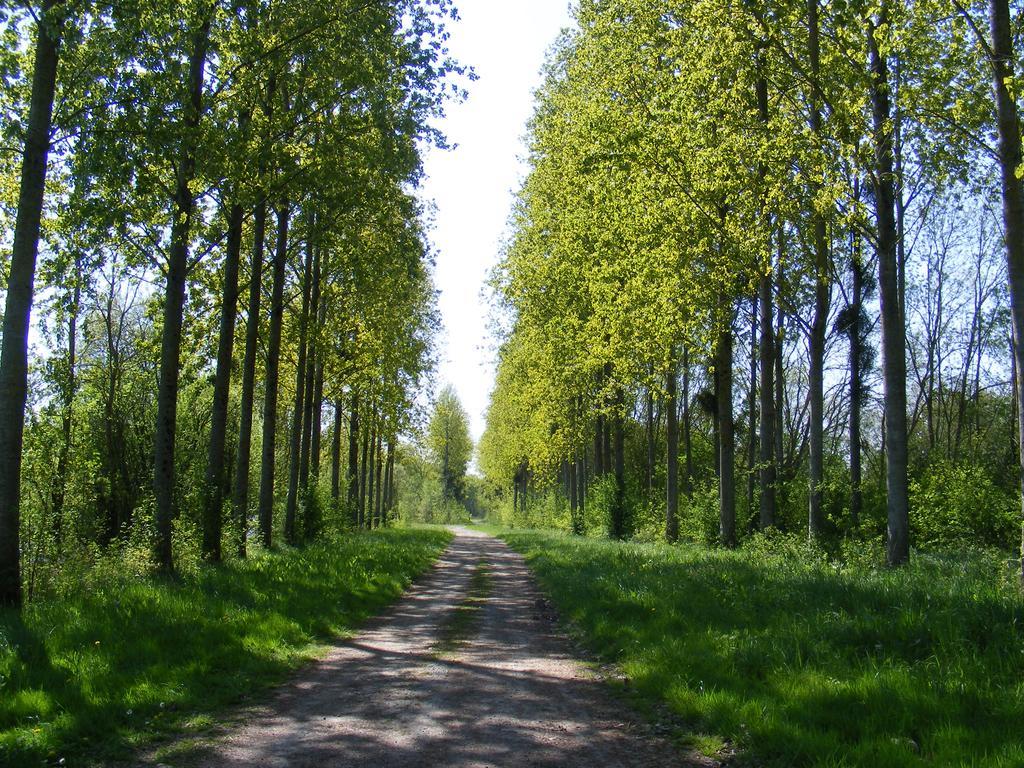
{"x":468,"y":669}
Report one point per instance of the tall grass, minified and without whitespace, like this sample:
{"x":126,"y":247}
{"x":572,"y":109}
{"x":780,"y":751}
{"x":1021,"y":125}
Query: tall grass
{"x":90,"y":675}
{"x":791,"y":658}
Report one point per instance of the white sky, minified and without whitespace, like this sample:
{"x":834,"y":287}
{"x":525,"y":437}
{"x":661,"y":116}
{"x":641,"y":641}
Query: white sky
{"x":473,"y":185}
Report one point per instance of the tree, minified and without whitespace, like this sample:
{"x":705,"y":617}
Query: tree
{"x":450,"y":444}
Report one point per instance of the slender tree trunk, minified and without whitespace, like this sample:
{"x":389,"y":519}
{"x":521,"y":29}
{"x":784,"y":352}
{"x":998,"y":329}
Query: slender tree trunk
{"x":20,"y":289}
{"x":574,"y":504}
{"x":779,"y":391}
{"x":362,"y":474}
{"x":371,"y":484}
{"x":353,"y":461}
{"x":301,"y":396}
{"x":687,"y":437}
{"x":174,"y":307}
{"x":752,"y":413}
{"x":816,"y":368}
{"x":672,"y":454}
{"x":650,"y":445}
{"x":726,"y":437}
{"x":599,"y":445}
{"x":856,"y":387}
{"x":336,"y":454}
{"x":894,"y":365}
{"x":213,"y":506}
{"x":766,"y":455}
{"x":608,"y":428}
{"x":378,"y":508}
{"x":389,"y":481}
{"x":267,"y":464}
{"x":69,"y":391}
{"x":318,"y":416}
{"x":309,"y":397}
{"x":1013,"y":203}
{"x":240,"y":492}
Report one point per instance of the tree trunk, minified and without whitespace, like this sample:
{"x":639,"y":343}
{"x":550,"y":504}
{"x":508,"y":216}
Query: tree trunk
{"x":894,"y":365}
{"x":312,"y":358}
{"x":69,"y":390}
{"x":687,"y":439}
{"x":389,"y":481}
{"x":608,"y":428}
{"x":318,"y":415}
{"x":856,"y":386}
{"x":267,"y":464}
{"x":214,"y":489}
{"x":353,"y":461}
{"x":371,"y":484}
{"x":240,"y":492}
{"x":1013,"y":203}
{"x":766,"y":454}
{"x":378,"y":507}
{"x":671,"y":455}
{"x":620,"y":523}
{"x":296,"y":437}
{"x":650,"y":445}
{"x":362,"y":475}
{"x":336,"y":454}
{"x":752,"y":413}
{"x":174,"y":307}
{"x":816,"y":368}
{"x":20,"y":288}
{"x":726,"y":441}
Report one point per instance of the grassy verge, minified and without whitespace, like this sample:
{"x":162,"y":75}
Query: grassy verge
{"x":87,"y":679}
{"x":796,"y":661}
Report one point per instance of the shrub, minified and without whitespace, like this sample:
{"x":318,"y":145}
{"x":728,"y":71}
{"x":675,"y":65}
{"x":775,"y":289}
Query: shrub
{"x":954,"y":505}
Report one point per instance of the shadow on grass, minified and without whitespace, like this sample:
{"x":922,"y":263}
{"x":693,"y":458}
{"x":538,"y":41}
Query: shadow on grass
{"x":804,"y":663}
{"x":94,"y":676}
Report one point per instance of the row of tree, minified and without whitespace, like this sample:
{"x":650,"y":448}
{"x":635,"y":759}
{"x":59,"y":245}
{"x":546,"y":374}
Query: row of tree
{"x":214,"y":208}
{"x":778,"y":188}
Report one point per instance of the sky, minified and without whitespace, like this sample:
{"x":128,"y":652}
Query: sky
{"x":473,"y":184}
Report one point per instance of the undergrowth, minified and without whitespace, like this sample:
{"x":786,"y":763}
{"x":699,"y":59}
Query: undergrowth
{"x":789,"y":657}
{"x":91,"y":675}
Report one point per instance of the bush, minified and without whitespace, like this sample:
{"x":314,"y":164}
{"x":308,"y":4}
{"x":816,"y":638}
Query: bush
{"x":956,"y":505}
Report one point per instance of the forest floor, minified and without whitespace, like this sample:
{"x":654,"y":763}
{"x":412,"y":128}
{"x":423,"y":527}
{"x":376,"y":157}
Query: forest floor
{"x":468,"y":669}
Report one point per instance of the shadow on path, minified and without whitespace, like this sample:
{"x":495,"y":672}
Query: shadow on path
{"x":510,"y":694}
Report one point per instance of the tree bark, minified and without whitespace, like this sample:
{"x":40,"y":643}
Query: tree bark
{"x":174,"y":306}
{"x":378,"y":508}
{"x":336,"y":454}
{"x":672,"y":455}
{"x":1013,"y":203}
{"x":766,"y":454}
{"x":353,"y":461}
{"x":296,"y":437}
{"x":69,"y":390}
{"x":726,"y":437}
{"x":856,"y":387}
{"x":20,"y":289}
{"x":687,"y":438}
{"x":267,"y":464}
{"x":894,"y":365}
{"x":240,"y":492}
{"x":816,"y":368}
{"x":362,"y":475}
{"x":214,"y":489}
{"x":752,"y":412}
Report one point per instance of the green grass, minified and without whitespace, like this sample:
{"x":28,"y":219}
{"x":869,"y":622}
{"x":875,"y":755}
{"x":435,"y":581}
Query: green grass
{"x":90,"y":678}
{"x":796,"y":661}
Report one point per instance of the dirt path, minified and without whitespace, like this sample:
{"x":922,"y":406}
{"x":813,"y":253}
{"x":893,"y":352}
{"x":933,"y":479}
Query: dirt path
{"x":467,"y":669}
